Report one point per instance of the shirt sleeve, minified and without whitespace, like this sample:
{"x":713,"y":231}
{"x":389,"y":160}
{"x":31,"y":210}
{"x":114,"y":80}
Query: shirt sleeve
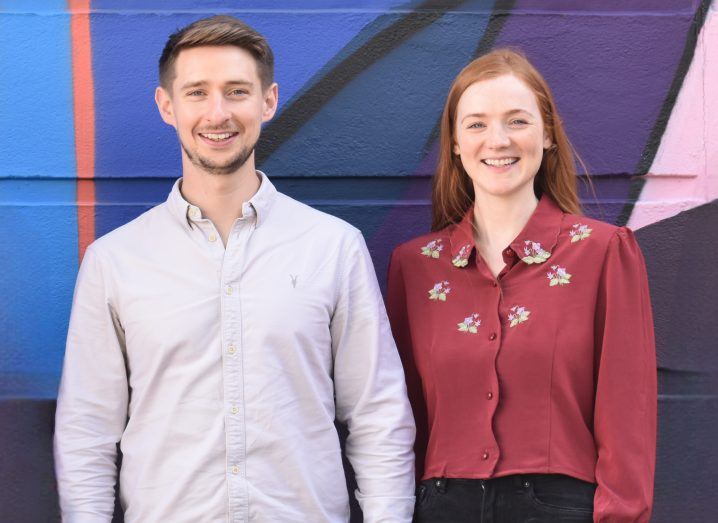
{"x":625,"y":408}
{"x":92,"y":402}
{"x":399,"y":318}
{"x":371,"y":393}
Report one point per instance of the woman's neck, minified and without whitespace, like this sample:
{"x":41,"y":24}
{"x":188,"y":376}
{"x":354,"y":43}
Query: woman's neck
{"x":498,"y":220}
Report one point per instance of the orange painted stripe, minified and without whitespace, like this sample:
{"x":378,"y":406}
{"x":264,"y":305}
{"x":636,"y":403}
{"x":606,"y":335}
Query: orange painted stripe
{"x":84,"y":113}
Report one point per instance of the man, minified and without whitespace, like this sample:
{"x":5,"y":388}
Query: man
{"x":217,"y":337}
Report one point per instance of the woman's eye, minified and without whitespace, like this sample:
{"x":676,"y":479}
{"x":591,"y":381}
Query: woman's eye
{"x":476,"y":125}
{"x":518,"y":121}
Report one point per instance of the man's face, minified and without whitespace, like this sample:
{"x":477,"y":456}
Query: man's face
{"x":217,"y":105}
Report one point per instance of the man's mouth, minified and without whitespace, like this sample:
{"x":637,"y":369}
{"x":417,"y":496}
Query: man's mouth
{"x":218,"y":137}
{"x":499,"y":162}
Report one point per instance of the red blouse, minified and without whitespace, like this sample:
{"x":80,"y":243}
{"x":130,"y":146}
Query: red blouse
{"x":549,"y":368}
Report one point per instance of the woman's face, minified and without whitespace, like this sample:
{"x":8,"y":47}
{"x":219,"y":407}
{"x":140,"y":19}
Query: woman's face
{"x":500,"y":136}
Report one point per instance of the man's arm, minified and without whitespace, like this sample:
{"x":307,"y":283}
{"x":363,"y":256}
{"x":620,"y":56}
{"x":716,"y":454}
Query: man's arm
{"x":371,"y":393}
{"x":92,"y":402}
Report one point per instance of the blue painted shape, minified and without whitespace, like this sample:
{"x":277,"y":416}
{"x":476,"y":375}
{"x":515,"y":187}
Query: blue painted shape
{"x":37,"y":193}
{"x":36,"y":105}
{"x":132,"y":140}
{"x":39,"y":236}
{"x":380,"y":123}
{"x":255,"y":5}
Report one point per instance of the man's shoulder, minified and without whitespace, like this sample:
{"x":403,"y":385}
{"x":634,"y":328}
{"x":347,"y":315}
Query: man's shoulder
{"x":133,"y":233}
{"x":299,"y":218}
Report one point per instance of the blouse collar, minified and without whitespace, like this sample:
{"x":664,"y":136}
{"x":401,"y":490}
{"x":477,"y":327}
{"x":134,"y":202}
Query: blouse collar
{"x":533,"y":244}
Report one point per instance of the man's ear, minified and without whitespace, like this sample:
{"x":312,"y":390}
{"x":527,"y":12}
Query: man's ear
{"x":271,"y":99}
{"x":164,"y":106}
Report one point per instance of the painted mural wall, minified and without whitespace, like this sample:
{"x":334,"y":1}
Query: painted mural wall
{"x":362,"y":84}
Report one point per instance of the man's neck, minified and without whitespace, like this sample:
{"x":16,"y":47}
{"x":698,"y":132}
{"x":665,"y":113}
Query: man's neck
{"x":220,"y":196}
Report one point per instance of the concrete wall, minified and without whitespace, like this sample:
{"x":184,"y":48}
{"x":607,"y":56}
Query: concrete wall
{"x":83,"y":150}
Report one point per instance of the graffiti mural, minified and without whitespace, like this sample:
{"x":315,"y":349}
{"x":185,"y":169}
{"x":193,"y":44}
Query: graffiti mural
{"x":362,"y":86}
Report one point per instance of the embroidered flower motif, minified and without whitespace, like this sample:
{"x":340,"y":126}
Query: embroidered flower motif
{"x":579,"y":232}
{"x":433,"y":248}
{"x":462,"y":259}
{"x":518,"y":315}
{"x":440,"y":291}
{"x":534,"y":253}
{"x":558,"y":276}
{"x":470,"y":324}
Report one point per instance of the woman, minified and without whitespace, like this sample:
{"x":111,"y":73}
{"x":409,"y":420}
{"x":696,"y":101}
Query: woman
{"x":525,"y":328}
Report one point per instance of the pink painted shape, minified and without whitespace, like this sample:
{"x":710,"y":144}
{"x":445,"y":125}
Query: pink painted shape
{"x":684,"y":173}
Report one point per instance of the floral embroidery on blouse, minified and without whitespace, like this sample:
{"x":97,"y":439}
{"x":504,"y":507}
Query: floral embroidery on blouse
{"x":433,"y":248}
{"x":579,"y":232}
{"x":518,"y":315}
{"x":440,"y":291}
{"x":558,"y":276}
{"x":470,"y":324}
{"x":462,"y":259}
{"x":534,"y":253}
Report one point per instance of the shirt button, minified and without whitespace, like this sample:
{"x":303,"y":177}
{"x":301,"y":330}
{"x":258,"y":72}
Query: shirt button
{"x":212,"y":237}
{"x":235,"y":409}
{"x":194,"y":213}
{"x":235,"y":470}
{"x":231,"y":349}
{"x":495,"y":283}
{"x":492,"y":336}
{"x":228,"y":290}
{"x":489,"y":395}
{"x":485,"y":455}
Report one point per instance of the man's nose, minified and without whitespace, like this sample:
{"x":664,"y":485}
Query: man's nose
{"x":218,"y":110}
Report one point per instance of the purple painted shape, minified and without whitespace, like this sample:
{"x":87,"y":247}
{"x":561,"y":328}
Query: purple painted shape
{"x":610,"y":6}
{"x":610,"y":75}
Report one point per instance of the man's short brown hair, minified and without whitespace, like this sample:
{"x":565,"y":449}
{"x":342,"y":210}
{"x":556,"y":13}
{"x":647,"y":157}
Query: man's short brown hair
{"x":217,"y":30}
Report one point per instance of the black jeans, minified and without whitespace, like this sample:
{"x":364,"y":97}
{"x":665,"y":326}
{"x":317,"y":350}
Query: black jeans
{"x":520,"y":498}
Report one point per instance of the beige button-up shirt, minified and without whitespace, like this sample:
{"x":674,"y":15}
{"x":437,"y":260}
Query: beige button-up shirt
{"x":220,"y":372}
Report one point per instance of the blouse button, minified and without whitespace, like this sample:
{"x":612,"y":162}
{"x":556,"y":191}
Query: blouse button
{"x":485,"y":455}
{"x":492,"y":336}
{"x":495,"y":283}
{"x":489,"y":395}
{"x":508,"y":252}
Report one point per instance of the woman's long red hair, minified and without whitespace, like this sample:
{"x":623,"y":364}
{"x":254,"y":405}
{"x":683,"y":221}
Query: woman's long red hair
{"x":453,"y":192}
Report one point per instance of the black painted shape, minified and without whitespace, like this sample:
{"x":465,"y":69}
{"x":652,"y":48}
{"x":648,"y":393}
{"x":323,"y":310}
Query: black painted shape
{"x":659,"y":128}
{"x":680,"y":255}
{"x":284,"y":125}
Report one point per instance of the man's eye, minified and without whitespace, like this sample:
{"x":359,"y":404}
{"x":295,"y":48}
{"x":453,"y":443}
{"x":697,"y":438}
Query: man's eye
{"x":195,"y":93}
{"x":238,"y":92}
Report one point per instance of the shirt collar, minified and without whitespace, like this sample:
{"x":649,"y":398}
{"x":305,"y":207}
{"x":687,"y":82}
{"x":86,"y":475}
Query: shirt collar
{"x":260,"y":203}
{"x":533,"y":244}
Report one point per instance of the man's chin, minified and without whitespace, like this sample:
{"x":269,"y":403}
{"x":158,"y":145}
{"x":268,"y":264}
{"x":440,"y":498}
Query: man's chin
{"x":226,"y":167}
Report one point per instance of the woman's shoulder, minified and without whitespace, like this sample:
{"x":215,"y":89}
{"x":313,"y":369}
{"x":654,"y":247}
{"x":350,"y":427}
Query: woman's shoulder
{"x":579,"y":227}
{"x":430,"y":245}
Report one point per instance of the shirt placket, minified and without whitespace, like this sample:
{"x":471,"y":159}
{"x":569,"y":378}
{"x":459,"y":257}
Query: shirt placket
{"x":233,"y":368}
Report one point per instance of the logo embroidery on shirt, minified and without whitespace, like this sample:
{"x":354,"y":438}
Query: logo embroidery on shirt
{"x":439,"y":291}
{"x":294,"y":279}
{"x":433,"y":248}
{"x":579,"y":232}
{"x":470,"y":324}
{"x":534,"y":253}
{"x":558,"y":276}
{"x":518,"y":315}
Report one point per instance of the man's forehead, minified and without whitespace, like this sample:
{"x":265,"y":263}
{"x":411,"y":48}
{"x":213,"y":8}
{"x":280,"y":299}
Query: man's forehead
{"x":216,"y":63}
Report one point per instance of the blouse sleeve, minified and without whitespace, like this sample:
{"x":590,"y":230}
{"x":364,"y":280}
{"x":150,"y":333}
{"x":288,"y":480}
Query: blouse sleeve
{"x":625,"y":408}
{"x":400,"y":326}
